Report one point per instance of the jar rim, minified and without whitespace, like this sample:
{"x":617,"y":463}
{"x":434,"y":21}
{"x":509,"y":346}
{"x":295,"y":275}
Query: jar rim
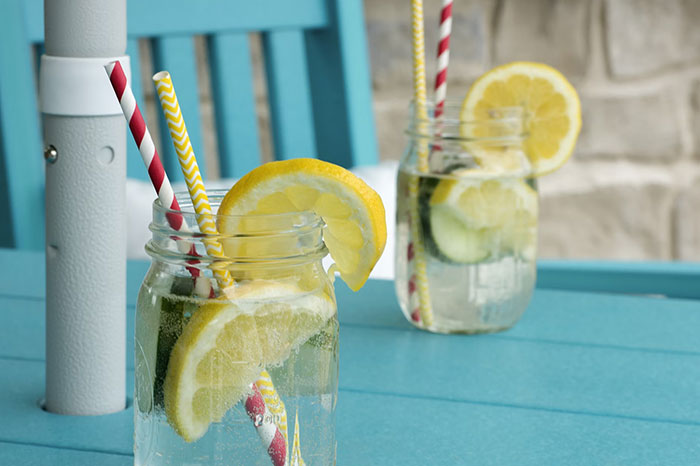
{"x":305,"y":218}
{"x":291,"y":236}
{"x":449,"y":106}
{"x":505,"y":123}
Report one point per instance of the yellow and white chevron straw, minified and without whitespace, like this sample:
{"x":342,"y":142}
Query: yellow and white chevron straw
{"x":190,"y":169}
{"x":296,"y":459}
{"x":274,"y":403}
{"x":200,"y":201}
{"x":421,"y":117}
{"x":419,"y":86}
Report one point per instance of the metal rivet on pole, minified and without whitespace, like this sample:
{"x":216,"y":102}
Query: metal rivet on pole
{"x":85,"y":207}
{"x":50,"y":154}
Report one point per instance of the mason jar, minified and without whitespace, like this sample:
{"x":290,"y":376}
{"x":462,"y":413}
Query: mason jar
{"x":246,"y":374}
{"x":467,"y":210}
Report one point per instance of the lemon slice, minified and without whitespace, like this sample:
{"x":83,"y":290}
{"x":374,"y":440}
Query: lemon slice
{"x":473,"y":218}
{"x":225,"y":346}
{"x":551,"y":105}
{"x":355,"y":231}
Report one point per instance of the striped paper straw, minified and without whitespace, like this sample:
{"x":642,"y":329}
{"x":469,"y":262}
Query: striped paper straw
{"x":269,"y":434}
{"x":420,"y":276}
{"x":443,"y":57}
{"x":274,"y":403}
{"x":296,"y":459}
{"x":200,"y":201}
{"x":159,"y":179}
{"x":421,"y":312}
{"x":190,"y":170}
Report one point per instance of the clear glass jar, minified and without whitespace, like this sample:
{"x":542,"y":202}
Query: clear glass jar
{"x":466,"y":218}
{"x":202,"y":395}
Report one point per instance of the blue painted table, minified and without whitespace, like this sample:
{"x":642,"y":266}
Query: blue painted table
{"x":585,"y":378}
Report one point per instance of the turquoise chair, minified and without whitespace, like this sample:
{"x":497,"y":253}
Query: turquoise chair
{"x":315,"y":57}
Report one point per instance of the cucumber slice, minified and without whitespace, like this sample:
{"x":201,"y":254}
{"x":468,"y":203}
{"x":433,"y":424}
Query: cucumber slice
{"x":457,"y":241}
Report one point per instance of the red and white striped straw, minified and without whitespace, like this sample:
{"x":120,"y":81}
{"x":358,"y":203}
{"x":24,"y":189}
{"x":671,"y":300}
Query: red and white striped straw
{"x":142,"y":137}
{"x":149,"y":154}
{"x":269,"y":434}
{"x":443,"y":59}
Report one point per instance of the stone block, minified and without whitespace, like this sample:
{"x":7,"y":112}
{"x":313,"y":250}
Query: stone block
{"x":549,"y":31}
{"x":389,"y":41}
{"x":645,"y":36}
{"x":391,"y":117}
{"x":203,"y":74}
{"x":643,"y":127}
{"x":210,"y":151}
{"x":687,"y":223}
{"x":695,"y":116}
{"x":606,"y":211}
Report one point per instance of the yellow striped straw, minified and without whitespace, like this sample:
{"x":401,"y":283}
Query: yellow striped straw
{"x":421,"y":116}
{"x":190,"y":170}
{"x":419,"y":86}
{"x":205,"y":219}
{"x":296,"y":459}
{"x":274,"y":403}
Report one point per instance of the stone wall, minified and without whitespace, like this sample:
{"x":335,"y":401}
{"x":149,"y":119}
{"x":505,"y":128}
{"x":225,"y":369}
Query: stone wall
{"x":632,"y":188}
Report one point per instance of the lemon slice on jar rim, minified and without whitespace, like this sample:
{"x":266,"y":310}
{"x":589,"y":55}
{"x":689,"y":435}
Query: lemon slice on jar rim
{"x":551,"y":107}
{"x":355,"y":231}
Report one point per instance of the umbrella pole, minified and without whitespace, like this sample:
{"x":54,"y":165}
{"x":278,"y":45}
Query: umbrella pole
{"x":85,"y":137}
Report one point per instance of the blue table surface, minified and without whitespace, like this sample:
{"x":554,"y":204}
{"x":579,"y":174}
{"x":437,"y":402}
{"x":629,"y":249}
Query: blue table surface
{"x":587,"y":377}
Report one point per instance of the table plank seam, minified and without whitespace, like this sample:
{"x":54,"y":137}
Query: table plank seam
{"x":530,"y":340}
{"x":6,"y":357}
{"x":542,"y":341}
{"x":679,"y":297}
{"x":343,"y":388}
{"x":63,"y":447}
{"x":10,"y":294}
{"x":524,"y":407}
{"x":129,"y":306}
{"x":491,"y":403}
{"x":503,"y":336}
{"x":593,"y":345}
{"x":21,"y":296}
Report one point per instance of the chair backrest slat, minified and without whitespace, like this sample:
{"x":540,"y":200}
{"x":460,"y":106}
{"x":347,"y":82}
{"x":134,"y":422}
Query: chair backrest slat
{"x":22,"y":172}
{"x":176,"y":55}
{"x":340,"y":79}
{"x":236,"y":125}
{"x":187,"y":17}
{"x":289,"y":94}
{"x":33,"y":18}
{"x":134,"y":164}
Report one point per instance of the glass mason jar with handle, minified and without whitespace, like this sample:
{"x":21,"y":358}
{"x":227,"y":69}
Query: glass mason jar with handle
{"x":466,"y":218}
{"x":246,"y":375}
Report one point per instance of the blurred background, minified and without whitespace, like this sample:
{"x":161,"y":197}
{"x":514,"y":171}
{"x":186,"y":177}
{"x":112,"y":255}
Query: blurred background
{"x":632,"y":188}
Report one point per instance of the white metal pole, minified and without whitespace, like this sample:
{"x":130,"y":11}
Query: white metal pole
{"x":85,"y":136}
